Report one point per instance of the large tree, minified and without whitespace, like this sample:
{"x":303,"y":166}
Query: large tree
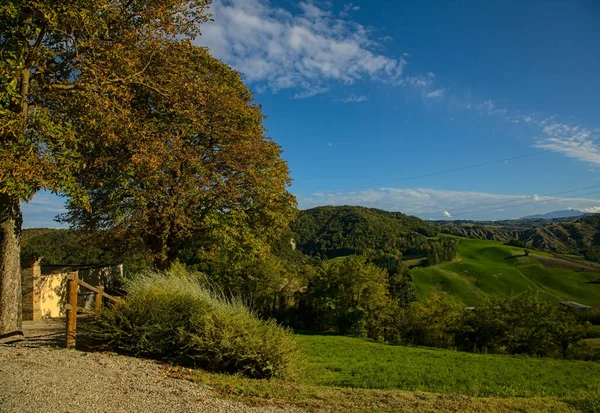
{"x":193,"y":166}
{"x":64,"y":63}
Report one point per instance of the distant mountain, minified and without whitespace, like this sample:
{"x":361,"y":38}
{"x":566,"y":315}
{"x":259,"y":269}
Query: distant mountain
{"x":567,"y":213}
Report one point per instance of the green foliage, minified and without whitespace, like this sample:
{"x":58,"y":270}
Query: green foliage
{"x":350,"y":297}
{"x":337,"y":231}
{"x":516,"y":243}
{"x":432,"y":322}
{"x":174,"y":316}
{"x":217,"y":184}
{"x":441,"y":250}
{"x":523,"y":324}
{"x":63,"y":246}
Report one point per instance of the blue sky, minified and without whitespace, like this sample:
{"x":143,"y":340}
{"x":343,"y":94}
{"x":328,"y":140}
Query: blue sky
{"x":362,"y":96}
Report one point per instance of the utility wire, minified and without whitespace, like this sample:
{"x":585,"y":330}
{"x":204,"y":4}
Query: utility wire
{"x":525,"y":203}
{"x":462,"y":168}
{"x":508,"y":202}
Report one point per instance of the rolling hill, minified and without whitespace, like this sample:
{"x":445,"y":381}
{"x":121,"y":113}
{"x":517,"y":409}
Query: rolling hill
{"x":338,"y":231}
{"x":492,"y":268}
{"x":579,"y":236}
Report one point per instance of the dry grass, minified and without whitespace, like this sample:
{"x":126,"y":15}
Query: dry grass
{"x":335,"y":399}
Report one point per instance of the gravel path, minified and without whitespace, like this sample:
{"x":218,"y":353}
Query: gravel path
{"x":37,"y":378}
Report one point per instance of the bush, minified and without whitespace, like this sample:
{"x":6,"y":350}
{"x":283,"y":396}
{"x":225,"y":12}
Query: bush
{"x":177,"y":317}
{"x":523,"y":324}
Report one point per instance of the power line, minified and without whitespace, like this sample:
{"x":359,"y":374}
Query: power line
{"x":462,"y":168}
{"x":510,"y":201}
{"x":525,"y":203}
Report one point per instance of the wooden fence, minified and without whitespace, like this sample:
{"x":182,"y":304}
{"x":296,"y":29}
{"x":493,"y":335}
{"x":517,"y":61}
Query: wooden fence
{"x":73,"y":284}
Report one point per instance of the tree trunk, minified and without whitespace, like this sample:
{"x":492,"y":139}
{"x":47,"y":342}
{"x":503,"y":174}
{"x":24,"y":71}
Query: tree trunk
{"x":10,"y":265}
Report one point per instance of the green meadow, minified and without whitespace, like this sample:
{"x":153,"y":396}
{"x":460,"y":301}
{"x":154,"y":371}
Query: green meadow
{"x":347,"y":374}
{"x":492,"y":268}
{"x":361,"y":363}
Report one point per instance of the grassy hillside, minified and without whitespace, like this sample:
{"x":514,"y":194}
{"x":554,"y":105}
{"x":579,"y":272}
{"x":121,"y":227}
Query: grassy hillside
{"x":355,"y":362}
{"x":579,"y":236}
{"x":489,"y":267}
{"x":346,"y":374}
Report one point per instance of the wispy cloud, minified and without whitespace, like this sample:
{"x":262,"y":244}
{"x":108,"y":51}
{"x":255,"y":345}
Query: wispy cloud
{"x":489,"y":107}
{"x":353,"y":99}
{"x":573,"y":141}
{"x":304,"y":50}
{"x":440,"y":204}
{"x":42,"y":209}
{"x":438,"y":93}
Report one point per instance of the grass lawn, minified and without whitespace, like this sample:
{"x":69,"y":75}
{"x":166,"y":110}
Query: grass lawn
{"x":492,"y":268}
{"x":356,"y":375}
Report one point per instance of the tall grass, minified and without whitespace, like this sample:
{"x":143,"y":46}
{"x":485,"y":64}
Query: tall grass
{"x":178,"y":317}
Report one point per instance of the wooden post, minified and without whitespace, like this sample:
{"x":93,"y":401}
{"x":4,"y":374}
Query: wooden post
{"x":71,"y":307}
{"x":98,"y":300}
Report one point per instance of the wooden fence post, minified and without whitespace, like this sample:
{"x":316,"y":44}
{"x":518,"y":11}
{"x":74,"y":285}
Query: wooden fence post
{"x":71,"y":307}
{"x":98,"y":300}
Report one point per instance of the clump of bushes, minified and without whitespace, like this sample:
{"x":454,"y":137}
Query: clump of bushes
{"x":522,"y":324}
{"x":177,"y":317}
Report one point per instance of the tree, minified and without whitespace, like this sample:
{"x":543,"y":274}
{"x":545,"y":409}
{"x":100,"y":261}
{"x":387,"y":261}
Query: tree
{"x":350,"y":297}
{"x":195,"y":164}
{"x":64,"y":64}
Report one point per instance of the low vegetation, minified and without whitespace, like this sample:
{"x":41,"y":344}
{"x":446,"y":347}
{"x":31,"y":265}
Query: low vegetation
{"x":178,"y":318}
{"x":358,"y":375}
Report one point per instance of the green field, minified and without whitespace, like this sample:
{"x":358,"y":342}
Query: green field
{"x":353,"y":374}
{"x":355,"y":362}
{"x":492,"y":268}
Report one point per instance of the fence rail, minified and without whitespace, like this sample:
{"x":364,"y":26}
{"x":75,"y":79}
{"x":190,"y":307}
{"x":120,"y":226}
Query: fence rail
{"x":73,"y":284}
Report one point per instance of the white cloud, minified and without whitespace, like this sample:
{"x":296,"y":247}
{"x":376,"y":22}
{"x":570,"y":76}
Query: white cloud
{"x":489,"y":107}
{"x":572,"y":141}
{"x":305,"y":50}
{"x":440,"y":204}
{"x":438,"y":93}
{"x":353,"y":99}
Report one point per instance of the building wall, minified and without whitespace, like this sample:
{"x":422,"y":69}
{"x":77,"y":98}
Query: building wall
{"x":44,"y":295}
{"x":51,"y":292}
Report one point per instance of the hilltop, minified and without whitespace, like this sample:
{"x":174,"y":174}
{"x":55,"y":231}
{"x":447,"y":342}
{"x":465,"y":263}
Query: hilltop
{"x":343,"y":230}
{"x":566,"y":213}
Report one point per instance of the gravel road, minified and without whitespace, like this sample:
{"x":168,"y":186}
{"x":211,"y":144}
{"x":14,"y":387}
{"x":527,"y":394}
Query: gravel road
{"x":43,"y":379}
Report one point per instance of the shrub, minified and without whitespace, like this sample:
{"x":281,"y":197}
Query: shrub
{"x":177,"y":317}
{"x":523,"y":324}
